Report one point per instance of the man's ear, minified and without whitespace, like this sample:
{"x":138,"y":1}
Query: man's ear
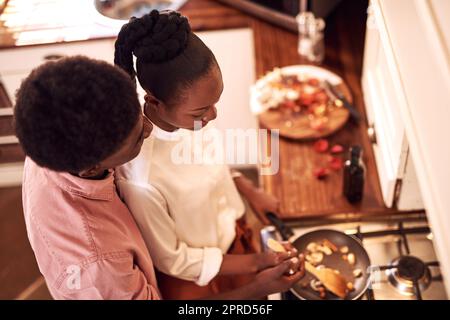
{"x":91,"y":172}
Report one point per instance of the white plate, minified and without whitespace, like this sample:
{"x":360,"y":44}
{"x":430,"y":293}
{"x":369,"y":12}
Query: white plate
{"x":307,"y":70}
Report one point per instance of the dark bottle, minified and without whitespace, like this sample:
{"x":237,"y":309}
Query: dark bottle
{"x":354,"y":174}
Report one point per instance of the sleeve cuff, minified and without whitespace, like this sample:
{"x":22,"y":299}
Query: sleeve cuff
{"x":212,"y":260}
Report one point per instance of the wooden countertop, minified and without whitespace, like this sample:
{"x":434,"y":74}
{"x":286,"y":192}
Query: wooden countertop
{"x":301,"y":194}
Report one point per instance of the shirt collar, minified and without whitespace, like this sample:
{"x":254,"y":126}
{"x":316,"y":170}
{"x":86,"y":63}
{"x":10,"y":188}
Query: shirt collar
{"x":91,"y":189}
{"x":162,"y":134}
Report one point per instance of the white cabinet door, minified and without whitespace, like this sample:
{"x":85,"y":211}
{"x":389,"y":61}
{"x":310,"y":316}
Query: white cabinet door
{"x":234,"y":51}
{"x":12,"y":82}
{"x":17,"y":60}
{"x":383,"y":95}
{"x":17,"y":63}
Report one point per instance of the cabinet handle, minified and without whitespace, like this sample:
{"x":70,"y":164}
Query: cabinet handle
{"x":372,"y":134}
{"x":53,"y":56}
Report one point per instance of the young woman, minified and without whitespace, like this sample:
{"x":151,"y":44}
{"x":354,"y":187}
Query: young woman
{"x":76,"y":119}
{"x":191,"y":215}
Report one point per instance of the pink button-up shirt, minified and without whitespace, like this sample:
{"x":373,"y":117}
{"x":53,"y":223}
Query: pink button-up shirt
{"x":86,"y":242}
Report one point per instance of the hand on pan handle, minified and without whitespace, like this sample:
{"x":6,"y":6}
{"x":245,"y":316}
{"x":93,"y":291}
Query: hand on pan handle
{"x":275,"y":280}
{"x":285,"y":231}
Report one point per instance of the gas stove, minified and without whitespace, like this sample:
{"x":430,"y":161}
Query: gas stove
{"x":403,"y":261}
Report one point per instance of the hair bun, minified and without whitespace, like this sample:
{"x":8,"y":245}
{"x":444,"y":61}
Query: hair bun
{"x":159,"y":36}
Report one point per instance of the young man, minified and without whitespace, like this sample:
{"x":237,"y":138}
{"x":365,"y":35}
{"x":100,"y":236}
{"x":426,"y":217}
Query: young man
{"x":77,"y":119}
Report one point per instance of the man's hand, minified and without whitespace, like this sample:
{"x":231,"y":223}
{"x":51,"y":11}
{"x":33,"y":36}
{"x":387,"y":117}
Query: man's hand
{"x":275,"y":279}
{"x":271,"y":258}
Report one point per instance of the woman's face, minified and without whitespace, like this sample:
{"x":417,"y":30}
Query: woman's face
{"x":198,"y":103}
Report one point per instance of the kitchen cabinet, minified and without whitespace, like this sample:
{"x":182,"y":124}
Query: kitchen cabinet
{"x":238,"y":72}
{"x":415,"y":38}
{"x":16,"y":63}
{"x":384,"y":97}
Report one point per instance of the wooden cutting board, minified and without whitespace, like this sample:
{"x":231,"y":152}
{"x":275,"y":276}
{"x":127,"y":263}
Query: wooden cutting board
{"x":298,"y":126}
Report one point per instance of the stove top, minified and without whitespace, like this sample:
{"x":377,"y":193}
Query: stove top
{"x":403,"y":261}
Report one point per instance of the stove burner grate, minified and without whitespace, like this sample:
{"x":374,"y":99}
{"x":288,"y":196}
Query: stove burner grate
{"x":409,"y":275}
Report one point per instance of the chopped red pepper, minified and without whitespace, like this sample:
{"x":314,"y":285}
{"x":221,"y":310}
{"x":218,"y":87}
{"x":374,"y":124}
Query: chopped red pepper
{"x":337,"y":149}
{"x":336,"y":163}
{"x":313,"y":82}
{"x":306,"y":99}
{"x":321,"y":146}
{"x":321,"y":173}
{"x":290,"y":104}
{"x":321,"y":97}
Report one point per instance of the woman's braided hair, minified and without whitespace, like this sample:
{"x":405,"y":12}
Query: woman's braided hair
{"x":169,"y":56}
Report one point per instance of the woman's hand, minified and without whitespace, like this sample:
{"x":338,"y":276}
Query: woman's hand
{"x":271,"y":258}
{"x":255,"y":262}
{"x":260,"y":201}
{"x":278,"y":278}
{"x":271,"y":280}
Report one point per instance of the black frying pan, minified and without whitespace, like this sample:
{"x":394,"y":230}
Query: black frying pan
{"x":303,"y":289}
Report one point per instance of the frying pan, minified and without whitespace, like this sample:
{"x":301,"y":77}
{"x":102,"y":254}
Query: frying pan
{"x":302,"y":289}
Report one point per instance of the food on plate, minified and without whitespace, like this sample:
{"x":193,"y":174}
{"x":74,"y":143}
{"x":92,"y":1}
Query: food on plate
{"x":274,"y":245}
{"x":297,"y":95}
{"x":318,"y":124}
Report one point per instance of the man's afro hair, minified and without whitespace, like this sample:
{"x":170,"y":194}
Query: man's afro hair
{"x":72,"y":113}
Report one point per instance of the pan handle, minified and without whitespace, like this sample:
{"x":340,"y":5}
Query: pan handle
{"x":285,"y":231}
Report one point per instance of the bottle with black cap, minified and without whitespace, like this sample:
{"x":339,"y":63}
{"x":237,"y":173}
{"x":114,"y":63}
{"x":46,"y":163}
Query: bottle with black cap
{"x":354,"y":174}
